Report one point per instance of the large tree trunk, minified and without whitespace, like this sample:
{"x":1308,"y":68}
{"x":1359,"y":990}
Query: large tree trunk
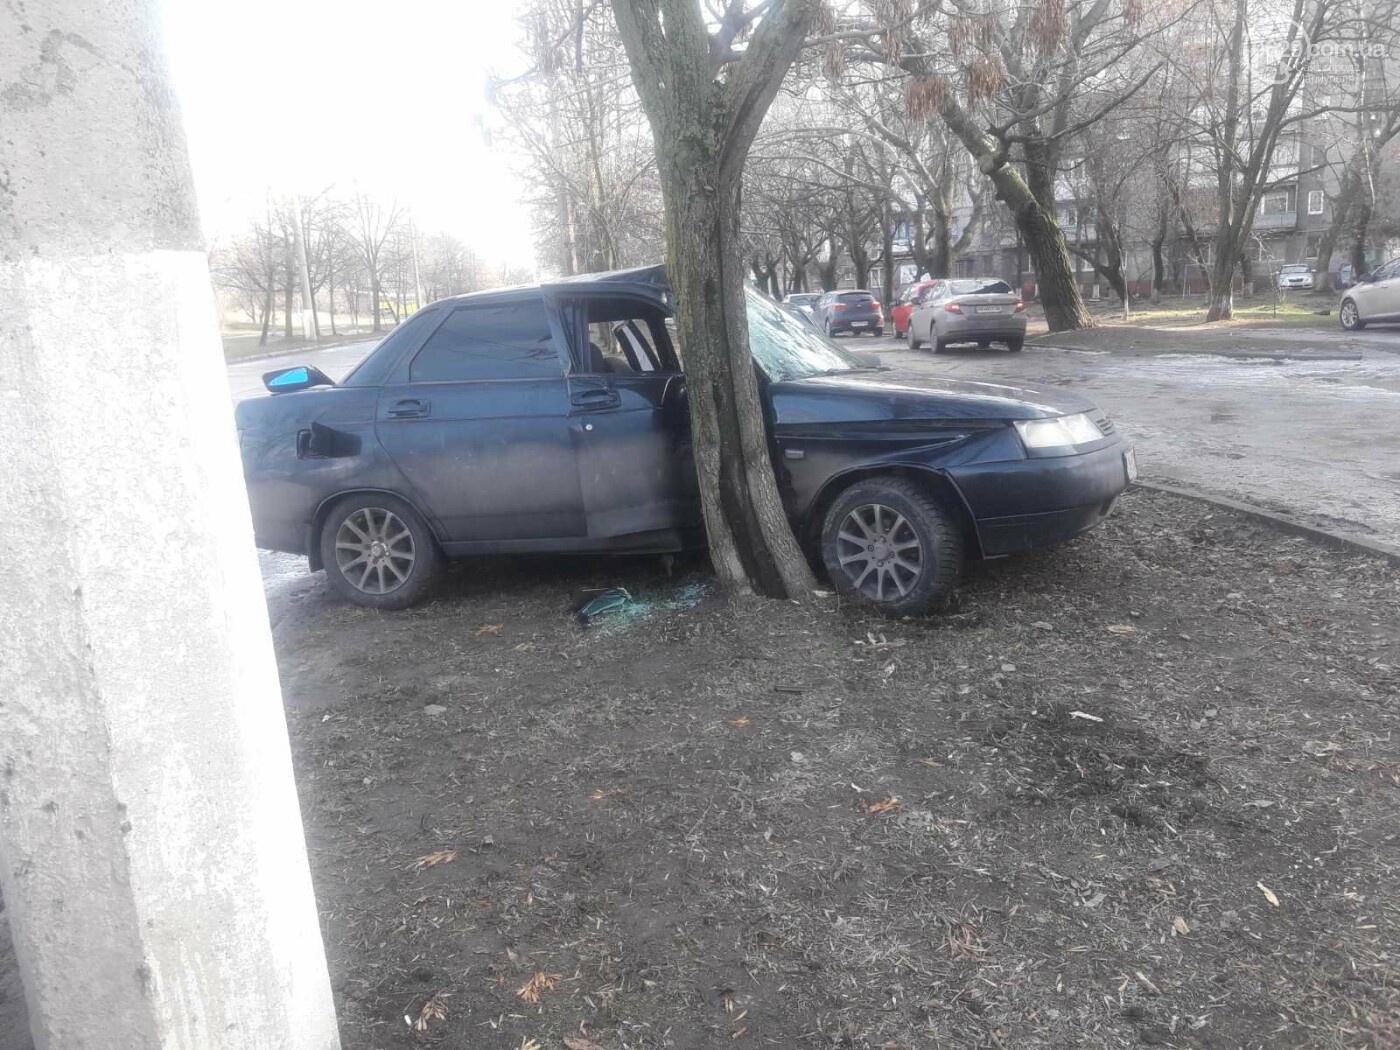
{"x":1358,"y":244}
{"x":887,"y":255}
{"x":266,"y":313}
{"x":1159,"y":258}
{"x":751,"y":542}
{"x":1059,"y":291}
{"x":826,"y":269}
{"x":703,"y":128}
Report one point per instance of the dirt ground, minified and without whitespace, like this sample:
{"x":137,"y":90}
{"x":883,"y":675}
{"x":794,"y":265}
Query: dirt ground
{"x":1138,"y":790}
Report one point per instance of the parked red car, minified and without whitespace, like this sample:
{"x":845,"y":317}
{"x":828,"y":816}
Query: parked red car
{"x":911,"y":297}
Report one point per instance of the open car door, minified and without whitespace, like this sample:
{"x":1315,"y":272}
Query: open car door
{"x":628,"y":416}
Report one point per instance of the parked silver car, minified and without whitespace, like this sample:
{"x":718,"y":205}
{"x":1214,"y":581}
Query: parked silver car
{"x":981,"y":310}
{"x":1296,"y":276}
{"x":1375,"y":297}
{"x":803,"y":301}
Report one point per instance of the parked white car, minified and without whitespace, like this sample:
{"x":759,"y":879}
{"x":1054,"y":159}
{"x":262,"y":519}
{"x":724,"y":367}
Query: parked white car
{"x":1296,"y":276}
{"x":1374,"y":297}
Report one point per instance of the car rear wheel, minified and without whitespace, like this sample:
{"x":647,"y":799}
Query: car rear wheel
{"x":939,"y":345}
{"x":877,"y":332}
{"x":378,"y":552}
{"x":914,"y":341}
{"x":1350,"y":316}
{"x":890,"y":542}
{"x":1015,"y":345}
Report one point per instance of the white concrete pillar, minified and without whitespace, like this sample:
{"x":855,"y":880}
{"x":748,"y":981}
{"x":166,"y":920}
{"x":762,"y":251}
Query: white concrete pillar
{"x":151,"y":848}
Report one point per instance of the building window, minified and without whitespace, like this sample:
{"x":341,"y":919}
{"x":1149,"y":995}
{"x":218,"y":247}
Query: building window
{"x":1315,"y":202}
{"x":1314,"y":243}
{"x":1276,"y":203}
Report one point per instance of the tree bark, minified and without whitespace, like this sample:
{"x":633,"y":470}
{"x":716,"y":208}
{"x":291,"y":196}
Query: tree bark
{"x":703,"y":127}
{"x":1059,"y":291}
{"x":1159,"y":262}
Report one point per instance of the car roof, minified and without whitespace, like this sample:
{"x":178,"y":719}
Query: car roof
{"x":649,"y":281}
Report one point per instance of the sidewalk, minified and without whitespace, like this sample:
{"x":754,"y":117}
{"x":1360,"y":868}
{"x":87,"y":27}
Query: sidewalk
{"x":1231,"y":342}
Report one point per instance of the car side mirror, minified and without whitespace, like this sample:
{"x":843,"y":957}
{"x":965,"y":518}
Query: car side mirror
{"x":298,"y":377}
{"x":1367,"y":278}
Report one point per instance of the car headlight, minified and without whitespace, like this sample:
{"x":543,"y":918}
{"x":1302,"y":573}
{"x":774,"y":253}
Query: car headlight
{"x":1058,"y":432}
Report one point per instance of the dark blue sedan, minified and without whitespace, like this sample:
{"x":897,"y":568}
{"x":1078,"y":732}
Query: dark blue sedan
{"x":554,"y":418}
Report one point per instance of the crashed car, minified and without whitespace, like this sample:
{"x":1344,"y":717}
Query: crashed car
{"x":554,"y":418}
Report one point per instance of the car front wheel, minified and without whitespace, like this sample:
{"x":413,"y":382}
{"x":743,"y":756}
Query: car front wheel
{"x":378,"y":552}
{"x":890,"y":542}
{"x":1350,"y":316}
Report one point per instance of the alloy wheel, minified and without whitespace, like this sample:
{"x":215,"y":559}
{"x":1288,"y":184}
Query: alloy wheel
{"x":1348,"y":314}
{"x":879,"y":552}
{"x":374,"y":550}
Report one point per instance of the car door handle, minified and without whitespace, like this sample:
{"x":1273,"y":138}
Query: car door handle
{"x":408,"y":408}
{"x":595,"y":397}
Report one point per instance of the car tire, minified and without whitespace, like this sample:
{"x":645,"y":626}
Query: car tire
{"x":920,"y":539}
{"x":877,"y":332}
{"x":914,"y":341}
{"x":1015,"y":345}
{"x":939,"y":345}
{"x":1350,"y":316}
{"x":386,"y":537}
{"x":829,"y":333}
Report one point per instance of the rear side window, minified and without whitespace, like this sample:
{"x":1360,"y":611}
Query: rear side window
{"x":987,"y":286}
{"x":503,"y":341}
{"x":374,"y":368}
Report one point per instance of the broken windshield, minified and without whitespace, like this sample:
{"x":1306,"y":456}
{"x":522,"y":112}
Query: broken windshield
{"x":786,"y":348}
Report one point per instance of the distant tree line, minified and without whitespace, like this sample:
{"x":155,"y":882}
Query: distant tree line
{"x":366,"y":264}
{"x":906,"y":126}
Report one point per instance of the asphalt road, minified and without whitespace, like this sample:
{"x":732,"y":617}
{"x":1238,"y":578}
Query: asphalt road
{"x":1317,"y":439}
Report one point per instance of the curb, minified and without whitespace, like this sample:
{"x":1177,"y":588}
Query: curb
{"x":1326,"y":537}
{"x":310,"y":348}
{"x":1230,"y":354}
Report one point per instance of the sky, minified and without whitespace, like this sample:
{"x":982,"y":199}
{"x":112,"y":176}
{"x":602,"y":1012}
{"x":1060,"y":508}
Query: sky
{"x":387,"y":96}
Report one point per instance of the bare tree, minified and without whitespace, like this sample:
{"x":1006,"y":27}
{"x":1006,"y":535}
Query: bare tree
{"x":705,"y":79}
{"x":1014,"y":84}
{"x":577,"y":121}
{"x":1259,"y":83}
{"x":375,"y":224}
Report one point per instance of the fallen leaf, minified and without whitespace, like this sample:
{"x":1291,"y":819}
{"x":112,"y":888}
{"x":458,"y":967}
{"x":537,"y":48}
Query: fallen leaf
{"x":1260,"y":803}
{"x":434,"y":1008}
{"x":877,"y":809}
{"x":536,"y":986}
{"x":1321,"y":748}
{"x":1268,"y":894}
{"x":1180,"y":926}
{"x":529,"y":1044}
{"x":578,"y":1042}
{"x":1121,"y":628}
{"x":599,"y":794}
{"x":1147,"y":982}
{"x":1043,"y":625}
{"x":432,"y":860}
{"x":1085,"y":715}
{"x":740,"y":722}
{"x":434,"y":709}
{"x":488,"y":628}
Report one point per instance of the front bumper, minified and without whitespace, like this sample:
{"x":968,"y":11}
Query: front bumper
{"x":1023,"y":504}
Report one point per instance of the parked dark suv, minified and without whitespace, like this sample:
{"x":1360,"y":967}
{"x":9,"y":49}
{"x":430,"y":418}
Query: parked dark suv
{"x":554,"y":418}
{"x":853,"y":311}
